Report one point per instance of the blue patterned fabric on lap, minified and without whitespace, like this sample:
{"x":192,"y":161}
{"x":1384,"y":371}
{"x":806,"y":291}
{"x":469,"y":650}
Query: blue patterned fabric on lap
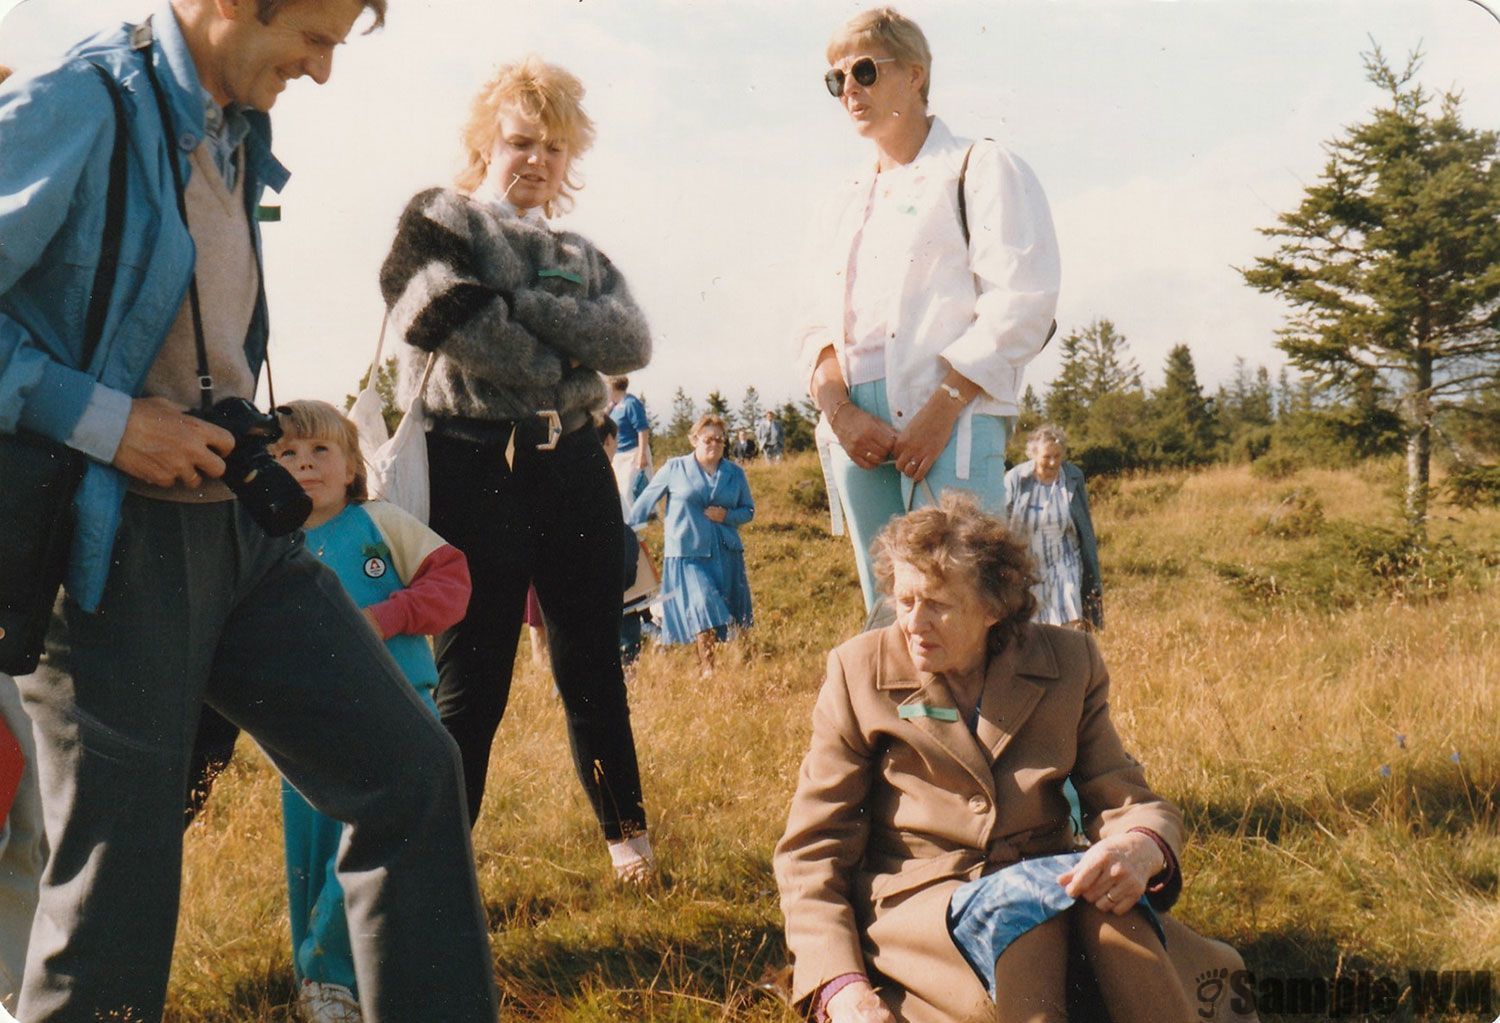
{"x":987,"y":914}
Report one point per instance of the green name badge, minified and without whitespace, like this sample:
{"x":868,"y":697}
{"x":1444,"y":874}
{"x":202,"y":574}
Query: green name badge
{"x":268,"y":214}
{"x":920,"y":710}
{"x":566,"y":275}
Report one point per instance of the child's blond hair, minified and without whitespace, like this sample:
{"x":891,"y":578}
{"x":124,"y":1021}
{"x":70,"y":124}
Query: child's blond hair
{"x":318,"y":420}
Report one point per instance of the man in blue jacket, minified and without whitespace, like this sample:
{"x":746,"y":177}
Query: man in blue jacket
{"x":175,"y":598}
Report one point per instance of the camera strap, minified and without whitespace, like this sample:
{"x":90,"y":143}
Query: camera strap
{"x":140,"y":39}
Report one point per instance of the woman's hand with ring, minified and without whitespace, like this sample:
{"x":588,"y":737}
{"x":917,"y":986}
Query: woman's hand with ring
{"x":1113,"y":874}
{"x":858,"y":1003}
{"x":866,"y":439}
{"x":925,"y":437}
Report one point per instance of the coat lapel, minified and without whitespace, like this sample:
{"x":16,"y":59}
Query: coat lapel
{"x":896,"y":672}
{"x":1010,"y":694}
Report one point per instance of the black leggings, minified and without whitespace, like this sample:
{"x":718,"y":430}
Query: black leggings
{"x":552,"y":520}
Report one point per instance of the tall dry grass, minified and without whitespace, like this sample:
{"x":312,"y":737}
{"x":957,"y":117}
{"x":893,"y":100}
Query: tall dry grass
{"x":1338,"y":768}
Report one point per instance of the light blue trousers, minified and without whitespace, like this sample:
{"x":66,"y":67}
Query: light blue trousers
{"x":315,"y":900}
{"x":872,"y":497}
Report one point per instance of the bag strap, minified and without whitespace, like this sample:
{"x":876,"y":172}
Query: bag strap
{"x":141,"y":38}
{"x":380,"y":347}
{"x":114,"y":228}
{"x":963,"y":178}
{"x":963,"y":217}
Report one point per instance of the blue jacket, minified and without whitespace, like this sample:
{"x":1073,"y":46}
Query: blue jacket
{"x":56,"y":135}
{"x":1019,"y":483}
{"x":690,"y":533}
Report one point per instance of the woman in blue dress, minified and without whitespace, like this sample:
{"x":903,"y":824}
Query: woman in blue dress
{"x":706,"y":592}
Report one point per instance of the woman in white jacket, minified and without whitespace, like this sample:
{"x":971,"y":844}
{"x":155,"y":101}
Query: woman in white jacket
{"x":937,"y":285}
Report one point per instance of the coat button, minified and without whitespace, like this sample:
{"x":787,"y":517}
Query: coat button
{"x":898,"y":413}
{"x":187,"y":143}
{"x":979,"y":804}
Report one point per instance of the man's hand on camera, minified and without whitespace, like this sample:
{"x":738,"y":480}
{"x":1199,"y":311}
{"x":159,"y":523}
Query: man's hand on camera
{"x":163,"y":446}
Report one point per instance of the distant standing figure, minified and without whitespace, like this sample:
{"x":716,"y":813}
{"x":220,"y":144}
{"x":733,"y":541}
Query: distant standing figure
{"x":771,"y":437}
{"x":703,"y":575}
{"x":1047,"y":505}
{"x":744,"y":446}
{"x":632,"y":458}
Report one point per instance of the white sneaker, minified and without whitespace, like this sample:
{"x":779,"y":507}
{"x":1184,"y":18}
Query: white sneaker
{"x":633,"y":860}
{"x":327,"y":1003}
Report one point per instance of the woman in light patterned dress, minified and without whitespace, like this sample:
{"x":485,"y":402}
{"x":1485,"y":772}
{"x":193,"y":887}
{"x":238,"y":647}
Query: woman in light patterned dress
{"x":1047,"y":505}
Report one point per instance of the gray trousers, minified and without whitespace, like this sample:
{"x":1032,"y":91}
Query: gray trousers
{"x":202,"y":606}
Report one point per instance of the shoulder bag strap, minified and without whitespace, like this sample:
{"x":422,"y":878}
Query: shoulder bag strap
{"x":141,"y":40}
{"x":380,"y":347}
{"x":963,"y":216}
{"x":114,"y":229}
{"x":963,"y":203}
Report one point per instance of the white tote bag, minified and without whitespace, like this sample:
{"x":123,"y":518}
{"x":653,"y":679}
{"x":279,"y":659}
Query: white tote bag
{"x":397,"y":464}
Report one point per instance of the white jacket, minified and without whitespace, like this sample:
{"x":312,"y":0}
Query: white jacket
{"x":984,"y":308}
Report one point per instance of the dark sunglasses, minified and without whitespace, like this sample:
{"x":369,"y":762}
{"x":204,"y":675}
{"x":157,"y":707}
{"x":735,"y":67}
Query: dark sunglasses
{"x":864,"y":71}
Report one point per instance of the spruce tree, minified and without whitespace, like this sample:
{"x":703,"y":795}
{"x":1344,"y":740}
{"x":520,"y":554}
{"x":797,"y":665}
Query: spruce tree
{"x":684,"y":413}
{"x":1391,"y":264}
{"x":750,"y":411}
{"x":1186,"y":428}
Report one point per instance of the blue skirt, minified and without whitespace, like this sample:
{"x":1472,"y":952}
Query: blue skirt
{"x":987,"y":914}
{"x":699,"y":594}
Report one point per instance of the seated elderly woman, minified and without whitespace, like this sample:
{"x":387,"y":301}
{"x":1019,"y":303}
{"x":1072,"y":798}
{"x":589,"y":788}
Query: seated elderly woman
{"x":929,"y":871}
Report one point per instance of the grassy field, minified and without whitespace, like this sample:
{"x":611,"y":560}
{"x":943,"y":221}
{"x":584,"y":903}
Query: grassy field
{"x":1330,"y":734}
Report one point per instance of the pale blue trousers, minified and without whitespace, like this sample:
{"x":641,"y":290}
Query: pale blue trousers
{"x":872,"y":497}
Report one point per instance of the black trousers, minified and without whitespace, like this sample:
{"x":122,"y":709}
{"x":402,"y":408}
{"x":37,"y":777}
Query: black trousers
{"x":553,"y":520}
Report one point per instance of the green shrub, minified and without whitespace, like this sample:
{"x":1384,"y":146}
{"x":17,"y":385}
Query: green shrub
{"x":1139,"y":498}
{"x":1277,"y":464}
{"x":809,"y":491}
{"x":1470,"y":486}
{"x":1298,"y":513}
{"x":1354,"y":564}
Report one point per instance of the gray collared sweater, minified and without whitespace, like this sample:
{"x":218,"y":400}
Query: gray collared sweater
{"x":522,"y":318}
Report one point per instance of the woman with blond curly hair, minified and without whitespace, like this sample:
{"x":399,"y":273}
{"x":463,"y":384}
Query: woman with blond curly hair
{"x":508,"y":324}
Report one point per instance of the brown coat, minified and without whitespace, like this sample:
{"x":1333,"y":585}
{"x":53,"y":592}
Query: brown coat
{"x":892,"y":814}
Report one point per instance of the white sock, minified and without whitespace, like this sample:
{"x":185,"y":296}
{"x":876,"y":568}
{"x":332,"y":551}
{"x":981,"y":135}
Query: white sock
{"x":631,"y":851}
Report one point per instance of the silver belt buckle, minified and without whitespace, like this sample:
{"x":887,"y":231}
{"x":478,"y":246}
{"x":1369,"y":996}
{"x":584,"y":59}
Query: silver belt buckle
{"x":554,"y":429}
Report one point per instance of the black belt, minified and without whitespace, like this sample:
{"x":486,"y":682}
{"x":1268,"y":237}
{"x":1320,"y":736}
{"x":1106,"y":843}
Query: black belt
{"x":540,"y":432}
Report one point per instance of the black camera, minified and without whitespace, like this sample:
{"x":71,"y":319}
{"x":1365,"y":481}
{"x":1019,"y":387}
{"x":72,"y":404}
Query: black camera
{"x":273,"y":498}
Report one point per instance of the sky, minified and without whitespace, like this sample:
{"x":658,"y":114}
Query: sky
{"x":1165,"y":134}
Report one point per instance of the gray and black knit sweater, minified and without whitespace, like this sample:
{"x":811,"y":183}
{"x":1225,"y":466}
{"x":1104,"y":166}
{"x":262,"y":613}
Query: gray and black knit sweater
{"x":522,"y":318}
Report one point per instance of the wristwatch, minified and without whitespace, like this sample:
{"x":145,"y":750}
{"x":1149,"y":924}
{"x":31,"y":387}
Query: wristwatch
{"x":952,"y":392}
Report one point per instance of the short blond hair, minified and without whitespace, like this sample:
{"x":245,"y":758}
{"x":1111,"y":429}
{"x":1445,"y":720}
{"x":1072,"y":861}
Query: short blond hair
{"x":318,"y":420}
{"x":536,"y":89}
{"x":888,"y":30}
